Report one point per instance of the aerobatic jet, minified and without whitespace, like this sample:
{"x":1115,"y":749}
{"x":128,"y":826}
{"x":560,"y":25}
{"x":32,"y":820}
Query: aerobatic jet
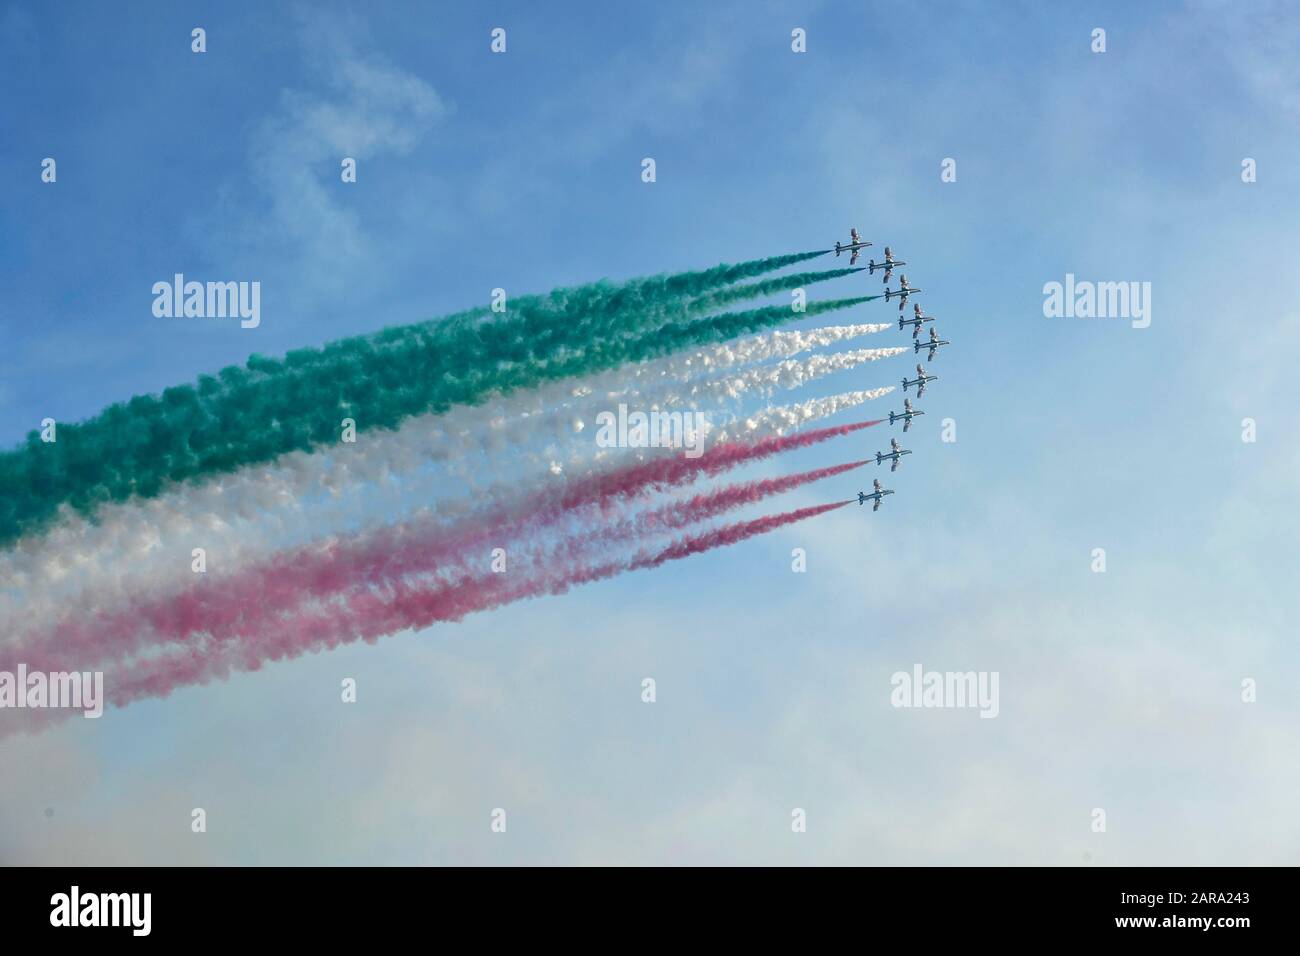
{"x":855,"y":245}
{"x":932,"y":345}
{"x":906,"y":415}
{"x":875,"y":496}
{"x":896,"y":453}
{"x":919,"y":381}
{"x":915,"y":323}
{"x":887,"y":265}
{"x":902,"y":292}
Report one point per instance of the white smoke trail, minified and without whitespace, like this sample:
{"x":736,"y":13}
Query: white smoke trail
{"x":747,"y":351}
{"x":781,"y":420}
{"x":562,"y":422}
{"x":551,"y":411}
{"x":786,"y":375}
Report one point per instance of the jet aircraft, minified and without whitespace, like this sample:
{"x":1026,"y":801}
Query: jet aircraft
{"x":875,"y":496}
{"x":887,"y":265}
{"x":855,"y":245}
{"x":906,"y":415}
{"x":895,"y":454}
{"x":932,"y":345}
{"x":916,"y":322}
{"x":901,"y":293}
{"x":919,"y":381}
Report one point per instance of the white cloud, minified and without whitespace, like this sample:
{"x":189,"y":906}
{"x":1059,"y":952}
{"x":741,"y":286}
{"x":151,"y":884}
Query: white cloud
{"x":306,"y":223}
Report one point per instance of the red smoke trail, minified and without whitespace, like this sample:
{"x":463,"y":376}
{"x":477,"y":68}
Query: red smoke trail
{"x":731,"y":534}
{"x":368,"y":615}
{"x":330,"y":625}
{"x":240,"y":605}
{"x":701,"y":507}
{"x":664,"y":472}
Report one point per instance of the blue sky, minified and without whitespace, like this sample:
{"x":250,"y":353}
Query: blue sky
{"x":1119,"y":690}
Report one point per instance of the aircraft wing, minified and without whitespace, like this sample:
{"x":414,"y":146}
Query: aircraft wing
{"x":853,"y":259}
{"x":876,"y":506}
{"x":907,"y":424}
{"x":930,"y":358}
{"x":894,"y":466}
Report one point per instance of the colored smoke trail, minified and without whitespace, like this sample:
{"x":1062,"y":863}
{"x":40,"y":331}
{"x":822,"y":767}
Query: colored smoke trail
{"x":724,"y":297}
{"x":248,"y":415}
{"x":730,"y":534}
{"x":661,"y":473}
{"x":746,"y":351}
{"x":369,"y":615}
{"x":676,"y":336}
{"x":786,"y":417}
{"x":227,"y":453}
{"x":84,"y":566}
{"x":238,"y":605}
{"x":790,"y":374}
{"x":708,"y":505}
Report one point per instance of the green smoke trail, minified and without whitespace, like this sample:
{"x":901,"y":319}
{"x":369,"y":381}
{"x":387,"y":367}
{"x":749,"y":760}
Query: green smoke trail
{"x":625,"y":308}
{"x":252,"y":414}
{"x":587,"y":315}
{"x":638,"y":303}
{"x":631,"y":307}
{"x":756,"y":290}
{"x":647,"y":297}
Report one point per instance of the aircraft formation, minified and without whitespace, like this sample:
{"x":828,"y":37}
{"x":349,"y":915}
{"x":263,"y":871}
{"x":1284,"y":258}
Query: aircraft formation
{"x":933,"y":344}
